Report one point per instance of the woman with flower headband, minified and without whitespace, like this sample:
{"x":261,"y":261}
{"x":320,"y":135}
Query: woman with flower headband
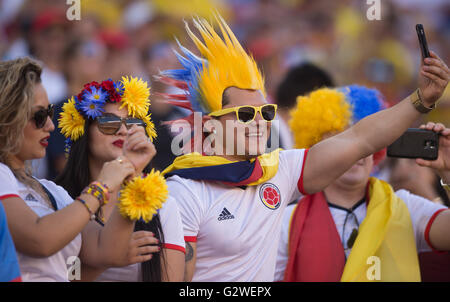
{"x":48,"y":227}
{"x":110,"y":119}
{"x":332,"y":235}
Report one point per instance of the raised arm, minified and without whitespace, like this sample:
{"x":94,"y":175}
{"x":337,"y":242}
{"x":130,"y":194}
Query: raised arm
{"x":330,"y":158}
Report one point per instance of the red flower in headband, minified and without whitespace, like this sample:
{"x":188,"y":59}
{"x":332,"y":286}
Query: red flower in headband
{"x":114,"y":97}
{"x":87,"y":87}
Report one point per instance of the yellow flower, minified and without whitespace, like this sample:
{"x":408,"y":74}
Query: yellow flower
{"x":135,"y":96}
{"x":150,"y":128}
{"x":141,"y":197}
{"x":71,"y":121}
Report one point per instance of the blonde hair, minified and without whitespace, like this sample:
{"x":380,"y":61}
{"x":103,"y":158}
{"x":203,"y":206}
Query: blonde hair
{"x":18,"y":79}
{"x":228,"y":65}
{"x":223,"y":63}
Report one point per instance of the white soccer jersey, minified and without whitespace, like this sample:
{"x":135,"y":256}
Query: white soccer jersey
{"x":173,"y":239}
{"x":53,"y":268}
{"x":237,"y":229}
{"x":421,"y":210}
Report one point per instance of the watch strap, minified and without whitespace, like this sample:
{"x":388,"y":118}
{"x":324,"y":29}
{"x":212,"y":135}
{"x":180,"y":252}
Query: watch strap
{"x":416,"y":100}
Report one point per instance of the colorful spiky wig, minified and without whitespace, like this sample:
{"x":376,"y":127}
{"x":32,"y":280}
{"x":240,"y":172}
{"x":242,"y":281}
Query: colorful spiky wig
{"x":132,"y":93}
{"x":330,"y":111}
{"x":223,"y":63}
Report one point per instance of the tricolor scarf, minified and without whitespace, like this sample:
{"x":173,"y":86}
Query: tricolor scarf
{"x":234,"y":173}
{"x":316,"y":252}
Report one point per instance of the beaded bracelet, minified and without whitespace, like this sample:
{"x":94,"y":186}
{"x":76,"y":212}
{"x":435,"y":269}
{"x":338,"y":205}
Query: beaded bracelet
{"x":87,"y":207}
{"x":103,"y":187}
{"x":99,"y":191}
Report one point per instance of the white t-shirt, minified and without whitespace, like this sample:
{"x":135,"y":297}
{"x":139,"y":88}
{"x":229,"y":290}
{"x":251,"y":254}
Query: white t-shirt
{"x":237,"y":230}
{"x":421,"y":211}
{"x":53,"y":268}
{"x":173,"y":239}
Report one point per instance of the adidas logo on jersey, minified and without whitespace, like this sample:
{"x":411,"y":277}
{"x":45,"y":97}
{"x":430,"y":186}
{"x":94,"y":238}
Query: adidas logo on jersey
{"x":225,"y":215}
{"x":30,"y":197}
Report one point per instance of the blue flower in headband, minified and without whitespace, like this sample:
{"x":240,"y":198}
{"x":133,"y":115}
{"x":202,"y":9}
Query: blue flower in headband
{"x":93,"y":102}
{"x":118,"y":86}
{"x":95,"y":95}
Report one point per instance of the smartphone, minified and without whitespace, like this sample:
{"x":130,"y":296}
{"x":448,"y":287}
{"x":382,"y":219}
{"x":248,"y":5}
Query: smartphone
{"x":422,"y":41}
{"x":415,"y":143}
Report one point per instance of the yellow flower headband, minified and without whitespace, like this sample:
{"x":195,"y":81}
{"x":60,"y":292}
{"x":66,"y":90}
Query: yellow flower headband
{"x":133,"y":93}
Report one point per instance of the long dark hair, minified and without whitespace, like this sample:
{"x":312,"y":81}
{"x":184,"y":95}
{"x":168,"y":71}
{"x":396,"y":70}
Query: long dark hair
{"x":76,"y":176}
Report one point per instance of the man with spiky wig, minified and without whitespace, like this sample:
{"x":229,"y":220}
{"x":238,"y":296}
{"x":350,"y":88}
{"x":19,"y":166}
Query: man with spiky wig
{"x":231,"y":197}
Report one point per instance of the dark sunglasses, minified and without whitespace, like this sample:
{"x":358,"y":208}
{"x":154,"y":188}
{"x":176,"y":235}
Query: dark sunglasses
{"x":246,"y":114}
{"x":110,"y":124}
{"x":354,"y":233}
{"x":40,"y":116}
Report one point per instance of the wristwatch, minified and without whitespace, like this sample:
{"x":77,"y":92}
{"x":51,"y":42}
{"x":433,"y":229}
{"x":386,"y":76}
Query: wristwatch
{"x":416,"y":100}
{"x":445,"y":186}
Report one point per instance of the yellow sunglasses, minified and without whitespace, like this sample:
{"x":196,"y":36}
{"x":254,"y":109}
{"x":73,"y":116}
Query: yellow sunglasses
{"x":246,"y":114}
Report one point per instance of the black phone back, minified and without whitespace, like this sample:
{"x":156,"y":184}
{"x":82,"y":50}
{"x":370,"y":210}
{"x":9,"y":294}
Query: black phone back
{"x":422,"y":41}
{"x":415,"y":143}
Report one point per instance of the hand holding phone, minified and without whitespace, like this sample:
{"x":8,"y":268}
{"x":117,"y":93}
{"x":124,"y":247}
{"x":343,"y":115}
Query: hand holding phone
{"x":434,"y":73}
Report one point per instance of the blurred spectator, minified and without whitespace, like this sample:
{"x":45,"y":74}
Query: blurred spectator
{"x":48,"y":40}
{"x":84,"y":63}
{"x":300,"y":80}
{"x":121,"y":57}
{"x":422,"y":181}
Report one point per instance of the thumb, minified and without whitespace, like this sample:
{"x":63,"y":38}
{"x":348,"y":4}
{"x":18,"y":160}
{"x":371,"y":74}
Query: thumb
{"x":423,"y":162}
